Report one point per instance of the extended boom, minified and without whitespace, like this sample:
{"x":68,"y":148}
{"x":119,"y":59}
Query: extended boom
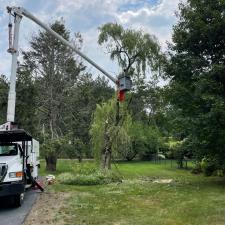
{"x":18,"y":12}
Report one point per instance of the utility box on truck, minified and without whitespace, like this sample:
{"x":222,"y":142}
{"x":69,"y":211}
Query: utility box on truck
{"x":19,"y":163}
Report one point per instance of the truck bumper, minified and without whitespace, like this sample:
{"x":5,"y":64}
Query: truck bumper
{"x":13,"y":188}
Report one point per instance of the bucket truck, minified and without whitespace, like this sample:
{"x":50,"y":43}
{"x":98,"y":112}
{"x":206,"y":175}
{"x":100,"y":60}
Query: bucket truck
{"x":19,"y":152}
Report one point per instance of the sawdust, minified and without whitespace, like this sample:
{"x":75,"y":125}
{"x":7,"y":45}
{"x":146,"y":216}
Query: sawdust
{"x":48,"y":209}
{"x":163,"y":181}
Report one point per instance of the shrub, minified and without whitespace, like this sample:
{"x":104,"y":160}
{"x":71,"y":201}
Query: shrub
{"x":95,"y":178}
{"x":171,"y":148}
{"x":66,"y":178}
{"x":220,"y":173}
{"x":84,"y":168}
{"x":197,"y":168}
{"x":208,"y":166}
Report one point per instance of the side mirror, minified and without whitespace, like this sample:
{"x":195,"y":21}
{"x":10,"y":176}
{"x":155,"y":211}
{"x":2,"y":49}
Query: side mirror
{"x":21,"y":151}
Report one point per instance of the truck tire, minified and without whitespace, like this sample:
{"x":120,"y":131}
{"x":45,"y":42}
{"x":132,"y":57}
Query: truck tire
{"x":18,"y":200}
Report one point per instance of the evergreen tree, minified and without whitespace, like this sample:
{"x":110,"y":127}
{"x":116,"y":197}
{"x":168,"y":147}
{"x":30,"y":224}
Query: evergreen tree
{"x":56,"y":71}
{"x":196,"y":70}
{"x":26,"y":101}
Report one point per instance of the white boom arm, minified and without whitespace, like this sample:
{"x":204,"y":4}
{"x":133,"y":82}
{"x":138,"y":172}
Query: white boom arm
{"x":19,"y":12}
{"x":12,"y":88}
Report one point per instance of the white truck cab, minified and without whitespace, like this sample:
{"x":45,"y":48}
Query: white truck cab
{"x":19,"y":163}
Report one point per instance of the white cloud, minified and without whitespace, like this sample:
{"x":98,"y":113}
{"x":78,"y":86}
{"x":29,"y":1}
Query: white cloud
{"x":86,"y":17}
{"x":157,"y":20}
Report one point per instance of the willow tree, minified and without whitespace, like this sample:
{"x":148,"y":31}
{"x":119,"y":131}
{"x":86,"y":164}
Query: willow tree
{"x":136,"y":53}
{"x":108,"y":138}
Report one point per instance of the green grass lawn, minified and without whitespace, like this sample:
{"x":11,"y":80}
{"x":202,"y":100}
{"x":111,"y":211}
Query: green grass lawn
{"x":188,"y":200}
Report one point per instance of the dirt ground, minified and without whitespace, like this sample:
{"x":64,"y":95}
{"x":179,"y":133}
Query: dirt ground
{"x":48,"y":209}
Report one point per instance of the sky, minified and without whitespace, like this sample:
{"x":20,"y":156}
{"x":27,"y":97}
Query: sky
{"x":156,"y":17}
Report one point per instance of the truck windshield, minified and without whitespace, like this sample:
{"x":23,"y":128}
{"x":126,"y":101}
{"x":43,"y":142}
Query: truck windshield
{"x":8,"y":149}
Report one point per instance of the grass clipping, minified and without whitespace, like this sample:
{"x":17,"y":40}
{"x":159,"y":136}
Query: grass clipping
{"x":95,"y":178}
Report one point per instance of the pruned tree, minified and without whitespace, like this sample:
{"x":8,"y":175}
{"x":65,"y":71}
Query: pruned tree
{"x":135,"y":51}
{"x":102,"y":127}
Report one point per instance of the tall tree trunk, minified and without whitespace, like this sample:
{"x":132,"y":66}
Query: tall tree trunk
{"x":106,"y":151}
{"x":51,"y":161}
{"x":106,"y":159}
{"x":79,"y":158}
{"x":51,"y":158}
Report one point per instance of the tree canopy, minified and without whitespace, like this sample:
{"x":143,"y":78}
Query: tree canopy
{"x":135,"y":51}
{"x":196,"y":69}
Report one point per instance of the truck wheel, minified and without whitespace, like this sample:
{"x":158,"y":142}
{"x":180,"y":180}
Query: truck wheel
{"x":18,"y":200}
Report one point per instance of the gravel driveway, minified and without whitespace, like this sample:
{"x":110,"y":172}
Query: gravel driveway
{"x":16,"y":216}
